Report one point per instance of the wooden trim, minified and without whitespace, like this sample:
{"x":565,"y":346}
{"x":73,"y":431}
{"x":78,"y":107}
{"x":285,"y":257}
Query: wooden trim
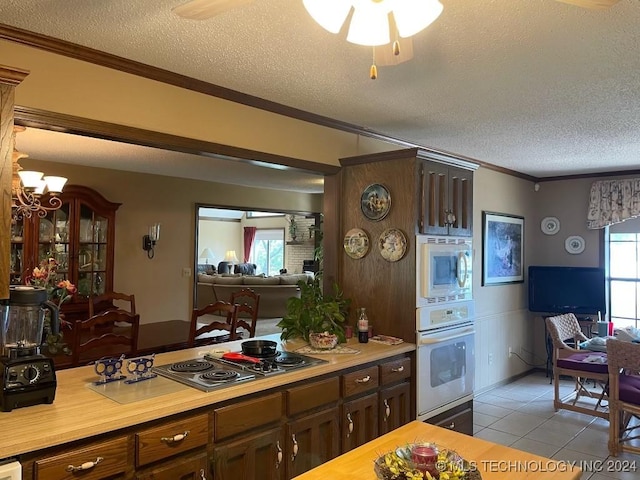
{"x":12,"y":76}
{"x":36,"y":118}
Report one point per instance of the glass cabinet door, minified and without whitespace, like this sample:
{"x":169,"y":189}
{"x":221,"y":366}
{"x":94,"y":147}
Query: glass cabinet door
{"x":54,"y":240}
{"x":92,"y":252}
{"x":17,"y":264}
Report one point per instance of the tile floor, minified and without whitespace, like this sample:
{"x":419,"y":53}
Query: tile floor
{"x":521,"y":415}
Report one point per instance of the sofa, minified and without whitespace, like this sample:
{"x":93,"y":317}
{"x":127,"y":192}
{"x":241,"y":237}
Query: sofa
{"x":274,"y":291}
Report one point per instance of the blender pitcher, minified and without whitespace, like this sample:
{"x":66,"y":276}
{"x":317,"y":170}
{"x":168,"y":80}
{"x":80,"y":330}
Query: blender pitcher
{"x":23,"y":322}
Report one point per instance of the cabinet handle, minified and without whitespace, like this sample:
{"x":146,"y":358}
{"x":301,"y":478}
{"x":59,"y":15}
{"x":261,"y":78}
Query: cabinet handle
{"x":278,"y":455}
{"x":451,"y":426}
{"x":398,"y":369}
{"x":387,"y":410}
{"x":176,"y":438}
{"x":294,"y":450}
{"x":85,"y":465}
{"x":363,"y":380}
{"x":202,"y":477}
{"x":450,"y":218}
{"x":350,"y":420}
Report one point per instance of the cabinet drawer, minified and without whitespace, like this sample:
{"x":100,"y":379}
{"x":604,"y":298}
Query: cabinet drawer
{"x":458,"y":419}
{"x":359,"y":381}
{"x":108,"y":458}
{"x":171,"y":438}
{"x":307,"y":397}
{"x":395,"y":370}
{"x":248,"y":415}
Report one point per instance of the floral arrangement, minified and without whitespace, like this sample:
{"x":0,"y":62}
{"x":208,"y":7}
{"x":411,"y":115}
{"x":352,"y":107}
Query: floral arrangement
{"x":399,"y":465}
{"x":45,"y":275}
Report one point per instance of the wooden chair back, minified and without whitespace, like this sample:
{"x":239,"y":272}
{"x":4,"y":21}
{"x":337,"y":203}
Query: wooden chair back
{"x":623,"y":359}
{"x":562,"y":328}
{"x":110,"y":333}
{"x":106,"y":300}
{"x":247,"y":303}
{"x":225,"y":319}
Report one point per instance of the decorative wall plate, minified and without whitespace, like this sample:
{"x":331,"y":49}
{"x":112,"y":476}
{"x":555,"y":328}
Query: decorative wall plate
{"x":375,"y":202}
{"x":574,"y":244}
{"x":356,"y":243}
{"x":550,"y":225}
{"x":392,"y":244}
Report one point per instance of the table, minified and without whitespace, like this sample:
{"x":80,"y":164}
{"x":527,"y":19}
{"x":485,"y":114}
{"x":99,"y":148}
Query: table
{"x":494,"y":461}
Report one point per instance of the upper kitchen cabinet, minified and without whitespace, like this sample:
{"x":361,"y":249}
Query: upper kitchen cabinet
{"x":80,"y":236}
{"x":446,"y":199}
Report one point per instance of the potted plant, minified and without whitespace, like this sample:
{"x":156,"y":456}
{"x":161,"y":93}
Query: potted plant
{"x":315,"y":317}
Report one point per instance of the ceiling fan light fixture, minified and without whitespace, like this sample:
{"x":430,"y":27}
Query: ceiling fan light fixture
{"x":329,"y":14}
{"x":370,"y":23}
{"x":413,"y":16}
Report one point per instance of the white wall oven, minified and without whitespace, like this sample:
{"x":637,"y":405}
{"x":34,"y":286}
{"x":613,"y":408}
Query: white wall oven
{"x":443,"y":269}
{"x":445,"y":357}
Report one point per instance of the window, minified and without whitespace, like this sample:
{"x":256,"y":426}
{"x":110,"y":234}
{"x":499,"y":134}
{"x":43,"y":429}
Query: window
{"x":624,"y":278}
{"x":267,"y":251}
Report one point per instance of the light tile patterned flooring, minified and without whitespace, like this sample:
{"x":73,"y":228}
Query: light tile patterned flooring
{"x":521,"y":415}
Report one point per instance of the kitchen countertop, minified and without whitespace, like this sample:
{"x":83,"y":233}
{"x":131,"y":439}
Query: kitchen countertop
{"x":79,"y":412}
{"x":495,"y":462}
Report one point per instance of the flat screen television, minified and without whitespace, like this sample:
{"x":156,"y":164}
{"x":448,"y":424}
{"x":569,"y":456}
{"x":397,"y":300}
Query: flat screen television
{"x":579,"y":290}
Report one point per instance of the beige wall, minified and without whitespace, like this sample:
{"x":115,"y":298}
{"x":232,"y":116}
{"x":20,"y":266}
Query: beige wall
{"x":220,"y":236}
{"x":162,"y":292}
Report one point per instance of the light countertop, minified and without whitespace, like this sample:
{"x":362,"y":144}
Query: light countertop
{"x":78,"y":412}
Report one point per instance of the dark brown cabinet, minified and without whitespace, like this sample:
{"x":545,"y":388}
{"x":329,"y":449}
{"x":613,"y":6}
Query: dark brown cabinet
{"x":458,"y":418}
{"x":312,"y":440}
{"x":395,"y":407}
{"x":446,"y":203}
{"x":255,"y":457}
{"x":188,"y":467}
{"x":80,"y":235}
{"x":359,"y":421}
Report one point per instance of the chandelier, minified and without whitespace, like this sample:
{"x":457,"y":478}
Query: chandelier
{"x":373,"y":22}
{"x":28,"y":188}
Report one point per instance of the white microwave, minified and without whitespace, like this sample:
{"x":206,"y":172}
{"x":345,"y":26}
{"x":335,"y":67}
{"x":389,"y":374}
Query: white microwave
{"x":444,"y":269}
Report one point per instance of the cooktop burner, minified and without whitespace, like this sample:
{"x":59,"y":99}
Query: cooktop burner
{"x":191,"y":366}
{"x":203,"y":375}
{"x":281,"y":362}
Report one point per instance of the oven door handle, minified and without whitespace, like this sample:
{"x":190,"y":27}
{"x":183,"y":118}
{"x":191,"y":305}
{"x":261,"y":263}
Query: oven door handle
{"x":462,"y":271}
{"x":429,"y":340}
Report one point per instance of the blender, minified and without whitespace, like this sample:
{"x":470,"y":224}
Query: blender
{"x":26,"y":376}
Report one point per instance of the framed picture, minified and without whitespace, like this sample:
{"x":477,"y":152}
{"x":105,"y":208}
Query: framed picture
{"x":502,"y":248}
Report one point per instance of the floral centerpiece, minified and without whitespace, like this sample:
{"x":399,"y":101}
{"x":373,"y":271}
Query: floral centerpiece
{"x":424,"y":461}
{"x":59,"y":291}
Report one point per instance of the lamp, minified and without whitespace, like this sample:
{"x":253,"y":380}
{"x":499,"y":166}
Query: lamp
{"x":27,"y":187}
{"x":149,"y":241}
{"x":207,"y":254}
{"x":370,"y":22}
{"x":231,"y":257}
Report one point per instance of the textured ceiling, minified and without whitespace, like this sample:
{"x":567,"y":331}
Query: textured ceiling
{"x":536,"y":86}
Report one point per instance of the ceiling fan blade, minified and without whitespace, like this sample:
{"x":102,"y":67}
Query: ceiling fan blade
{"x":385,"y":56}
{"x":204,"y":9}
{"x":592,"y":4}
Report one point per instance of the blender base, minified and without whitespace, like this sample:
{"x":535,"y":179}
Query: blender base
{"x":26,"y":381}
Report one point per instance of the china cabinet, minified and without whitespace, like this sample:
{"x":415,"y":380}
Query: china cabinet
{"x":80,"y":236}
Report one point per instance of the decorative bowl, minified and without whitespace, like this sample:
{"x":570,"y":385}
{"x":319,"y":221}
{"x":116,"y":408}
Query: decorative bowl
{"x":323,"y":341}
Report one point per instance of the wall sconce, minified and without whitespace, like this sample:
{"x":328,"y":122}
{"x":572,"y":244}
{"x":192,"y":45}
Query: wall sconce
{"x":149,"y":241}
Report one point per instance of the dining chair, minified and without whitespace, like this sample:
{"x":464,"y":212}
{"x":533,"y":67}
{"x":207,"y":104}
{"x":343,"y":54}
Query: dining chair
{"x":225,"y":318}
{"x":624,"y":396}
{"x":106,"y":301}
{"x":247,"y":303}
{"x":109,"y":333}
{"x":583,"y":366}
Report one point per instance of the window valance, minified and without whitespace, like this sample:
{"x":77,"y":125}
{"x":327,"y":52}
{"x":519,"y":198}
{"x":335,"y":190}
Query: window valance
{"x":613,"y":201}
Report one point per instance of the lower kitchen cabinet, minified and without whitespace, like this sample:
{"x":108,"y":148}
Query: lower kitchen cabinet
{"x":192,"y":467}
{"x":255,"y":457}
{"x":458,"y":418}
{"x":312,"y":440}
{"x":359,"y":421}
{"x":395,"y":407}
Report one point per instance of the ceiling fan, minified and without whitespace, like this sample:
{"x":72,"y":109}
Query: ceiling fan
{"x":205,"y":9}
